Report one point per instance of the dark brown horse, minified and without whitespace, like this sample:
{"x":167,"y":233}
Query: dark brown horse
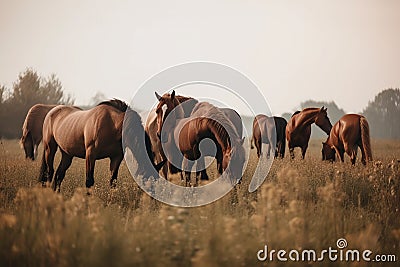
{"x":184,"y":137}
{"x":262,"y":133}
{"x":349,"y":133}
{"x":93,"y":134}
{"x":171,"y":101}
{"x":298,"y":129}
{"x":32,"y":129}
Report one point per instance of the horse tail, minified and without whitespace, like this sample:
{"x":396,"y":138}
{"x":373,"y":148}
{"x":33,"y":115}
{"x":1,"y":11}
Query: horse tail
{"x":43,"y":168}
{"x":283,"y":147}
{"x":365,"y":138}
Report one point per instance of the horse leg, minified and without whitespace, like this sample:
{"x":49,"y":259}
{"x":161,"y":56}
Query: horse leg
{"x":291,"y":151}
{"x":278,"y":149}
{"x":258,"y":146}
{"x":303,"y":151}
{"x":51,"y":150}
{"x":187,"y":168}
{"x":65,"y":162}
{"x":35,"y":150}
{"x":354,"y":155}
{"x":351,"y":152}
{"x":201,"y":166}
{"x":115,"y":162}
{"x":363,"y":160}
{"x":90,"y":163}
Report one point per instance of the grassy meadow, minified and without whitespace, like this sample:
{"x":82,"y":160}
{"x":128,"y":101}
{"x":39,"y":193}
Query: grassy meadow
{"x":306,"y":204}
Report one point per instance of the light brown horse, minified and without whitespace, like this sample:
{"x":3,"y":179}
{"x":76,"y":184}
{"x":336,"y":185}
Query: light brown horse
{"x":32,"y":129}
{"x":263,"y":128}
{"x":171,"y":101}
{"x":298,"y":129}
{"x":349,"y":133}
{"x":93,"y":134}
{"x":184,"y":136}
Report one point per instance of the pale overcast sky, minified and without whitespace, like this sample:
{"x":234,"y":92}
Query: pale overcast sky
{"x":345,"y":51}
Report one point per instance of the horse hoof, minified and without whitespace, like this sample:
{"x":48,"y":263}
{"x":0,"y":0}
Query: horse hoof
{"x":89,"y":191}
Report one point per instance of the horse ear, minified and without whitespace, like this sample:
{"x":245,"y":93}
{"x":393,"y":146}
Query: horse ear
{"x":158,"y":96}
{"x":173,"y":94}
{"x":322,"y":108}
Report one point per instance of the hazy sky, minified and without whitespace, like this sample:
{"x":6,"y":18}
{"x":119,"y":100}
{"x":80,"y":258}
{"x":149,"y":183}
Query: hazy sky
{"x":346,"y":51}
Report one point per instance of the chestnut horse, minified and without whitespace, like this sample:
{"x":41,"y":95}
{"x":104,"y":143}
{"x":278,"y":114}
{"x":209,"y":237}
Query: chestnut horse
{"x":298,"y":129}
{"x":188,"y":108}
{"x":93,"y":134}
{"x":32,"y":129}
{"x":262,"y":126}
{"x":349,"y":133}
{"x":184,"y":135}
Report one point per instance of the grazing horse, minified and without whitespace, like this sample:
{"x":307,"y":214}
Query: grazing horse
{"x":171,"y":101}
{"x":349,"y":133}
{"x":93,"y":134}
{"x":262,"y":133}
{"x":298,"y":129}
{"x":184,"y":136}
{"x":32,"y":129}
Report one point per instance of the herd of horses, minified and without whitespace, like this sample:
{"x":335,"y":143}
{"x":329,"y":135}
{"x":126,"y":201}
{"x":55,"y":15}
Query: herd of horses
{"x":172,"y":138}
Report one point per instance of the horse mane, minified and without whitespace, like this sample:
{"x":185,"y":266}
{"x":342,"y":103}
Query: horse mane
{"x":137,"y":139}
{"x":295,"y":113}
{"x":310,"y":109}
{"x":116,"y":103}
{"x":220,"y":125}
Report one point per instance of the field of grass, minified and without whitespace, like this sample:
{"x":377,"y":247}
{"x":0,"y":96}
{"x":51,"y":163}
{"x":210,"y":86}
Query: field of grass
{"x":306,"y":204}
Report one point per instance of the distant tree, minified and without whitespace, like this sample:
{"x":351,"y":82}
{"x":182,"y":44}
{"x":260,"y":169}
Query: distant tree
{"x":28,"y":90}
{"x":383,"y":114}
{"x":52,"y":92}
{"x":97,"y":98}
{"x":287,"y":115}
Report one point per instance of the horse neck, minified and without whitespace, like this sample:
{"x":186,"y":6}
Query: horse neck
{"x":179,"y":111}
{"x":225,"y":143}
{"x":307,"y":117}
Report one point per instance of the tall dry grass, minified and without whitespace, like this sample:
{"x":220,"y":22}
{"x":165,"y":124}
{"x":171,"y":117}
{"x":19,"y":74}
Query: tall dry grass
{"x":302,"y":205}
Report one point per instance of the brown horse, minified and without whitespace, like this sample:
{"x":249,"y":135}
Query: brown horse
{"x":298,"y":129}
{"x":93,"y":134}
{"x":32,"y":129}
{"x":151,"y":128}
{"x":184,"y":137}
{"x":171,"y":101}
{"x":349,"y":133}
{"x":262,"y":126}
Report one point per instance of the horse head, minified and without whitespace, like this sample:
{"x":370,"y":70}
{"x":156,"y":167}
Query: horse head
{"x":27,"y":144}
{"x":234,"y":158}
{"x":171,"y":102}
{"x":328,"y":152}
{"x":322,"y":120}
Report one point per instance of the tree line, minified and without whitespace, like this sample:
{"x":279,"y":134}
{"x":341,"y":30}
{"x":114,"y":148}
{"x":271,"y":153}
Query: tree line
{"x":382,"y":113}
{"x":29,"y":89}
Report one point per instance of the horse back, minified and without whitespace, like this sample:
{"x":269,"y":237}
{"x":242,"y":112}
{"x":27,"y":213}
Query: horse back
{"x":75,"y":130}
